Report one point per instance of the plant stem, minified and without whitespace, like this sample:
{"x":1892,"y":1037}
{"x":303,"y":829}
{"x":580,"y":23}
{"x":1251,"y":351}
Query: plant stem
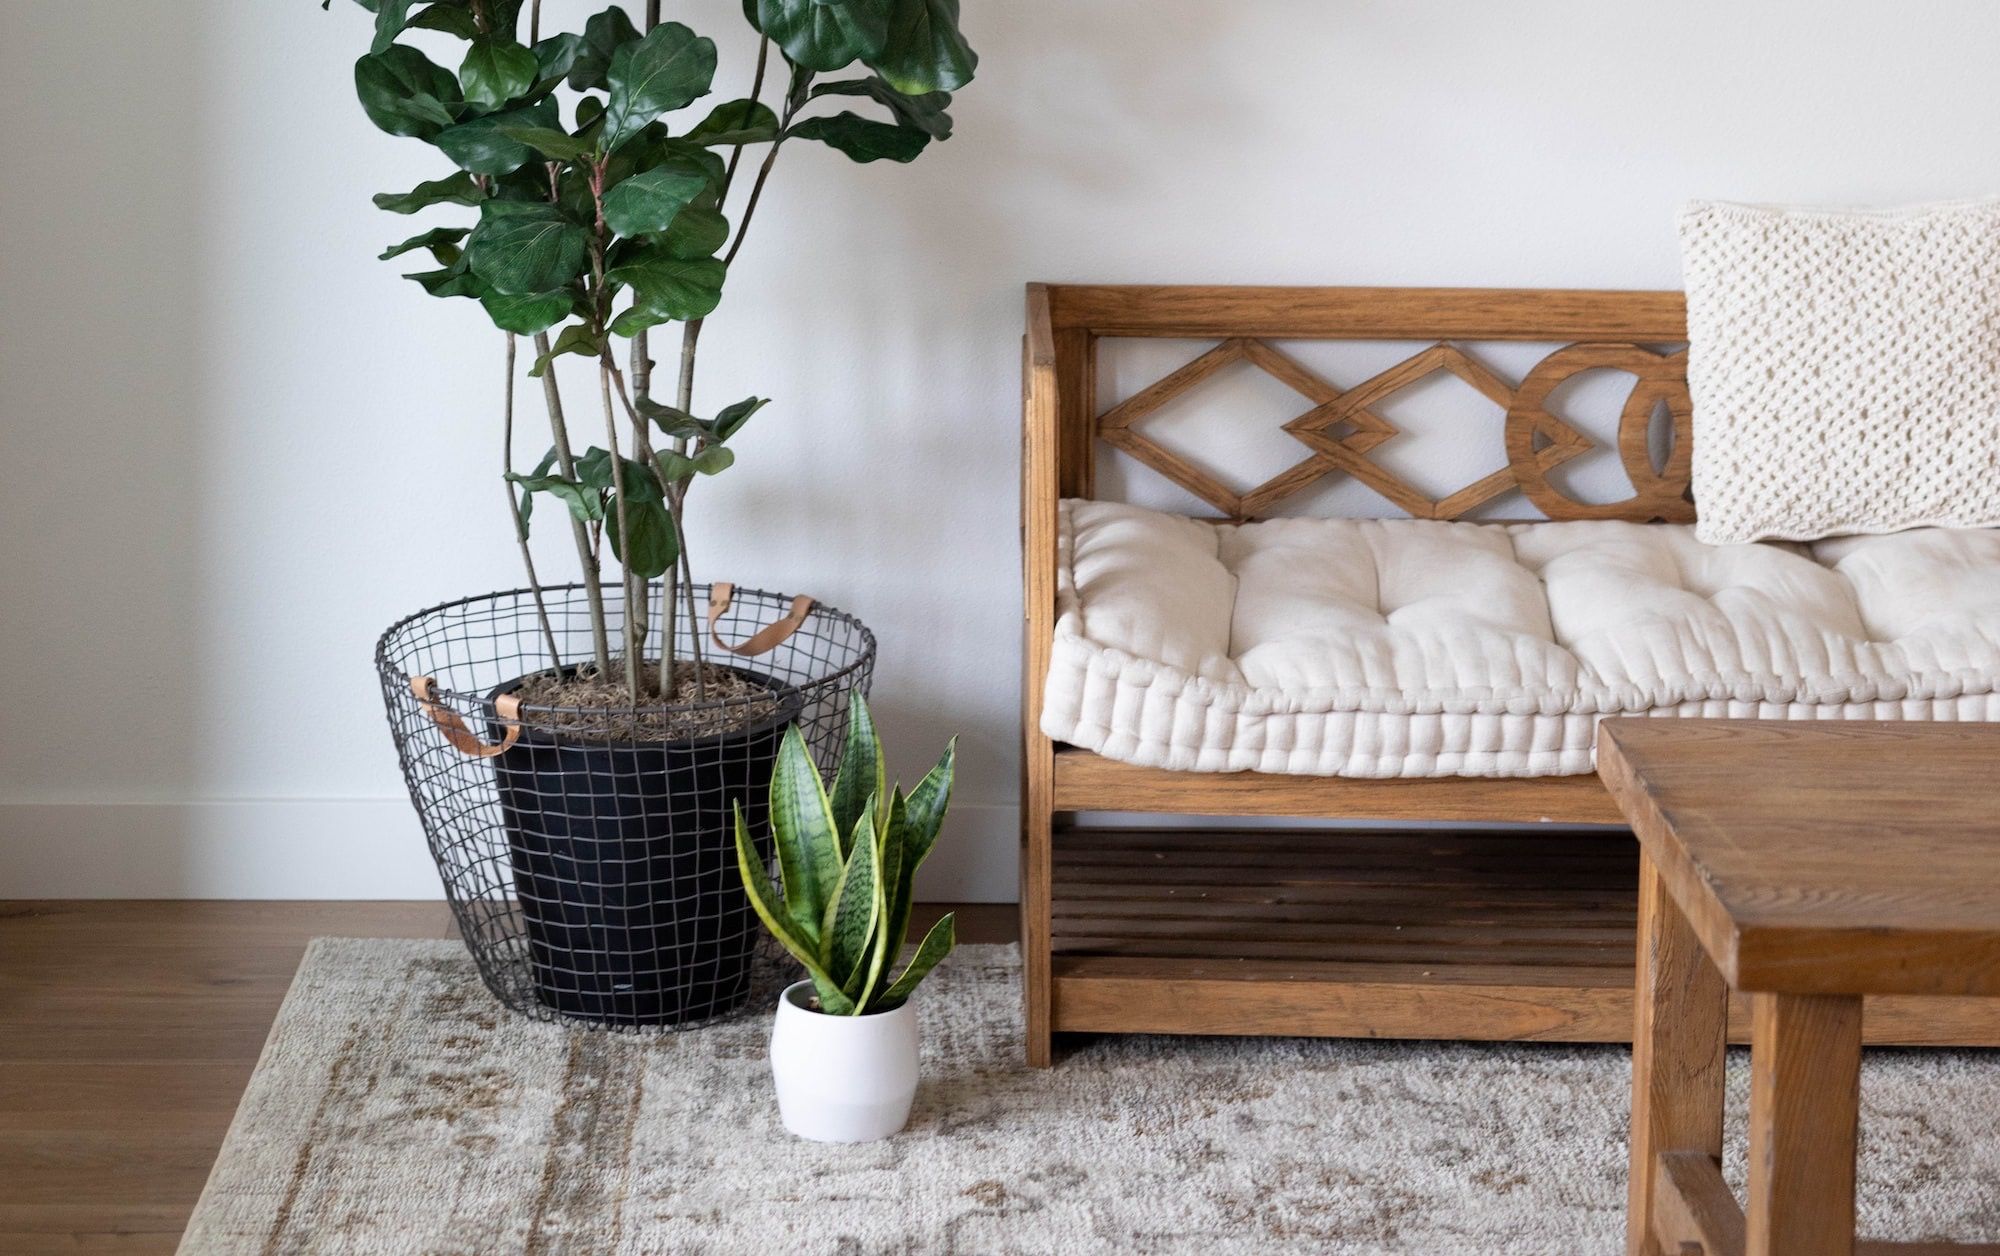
{"x":514,"y":510}
{"x":586,"y":554}
{"x":624,"y":530}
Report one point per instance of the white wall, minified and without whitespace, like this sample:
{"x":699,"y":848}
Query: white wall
{"x":236,"y":446}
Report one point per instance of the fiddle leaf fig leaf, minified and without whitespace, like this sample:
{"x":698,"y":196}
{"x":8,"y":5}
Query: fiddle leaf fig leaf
{"x":554,"y":144}
{"x":496,"y":71}
{"x":824,"y":34}
{"x":456,"y":189}
{"x":651,"y":199}
{"x":577,"y":339}
{"x":526,"y":313}
{"x":404,"y":93}
{"x":653,"y":547}
{"x":483,"y":145}
{"x":863,"y":139}
{"x":522,"y":247}
{"x":556,"y":56}
{"x":391,"y":16}
{"x":603,"y":35}
{"x":448,"y":16}
{"x":696,"y":232}
{"x":431,"y":239}
{"x":678,"y":424}
{"x":665,"y":70}
{"x":924,"y":51}
{"x":733,"y":417}
{"x":453,"y":281}
{"x":925,"y":113}
{"x":667,"y":288}
{"x":526,"y":505}
{"x":736,"y":122}
{"x":584,"y":502}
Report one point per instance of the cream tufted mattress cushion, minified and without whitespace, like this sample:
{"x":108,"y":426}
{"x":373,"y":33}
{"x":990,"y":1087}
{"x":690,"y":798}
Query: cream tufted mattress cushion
{"x":1386,"y":648}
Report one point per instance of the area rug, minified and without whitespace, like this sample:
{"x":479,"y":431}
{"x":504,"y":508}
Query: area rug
{"x":398,"y":1109}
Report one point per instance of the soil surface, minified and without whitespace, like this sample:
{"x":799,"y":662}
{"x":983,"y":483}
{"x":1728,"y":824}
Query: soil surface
{"x":596,"y":706}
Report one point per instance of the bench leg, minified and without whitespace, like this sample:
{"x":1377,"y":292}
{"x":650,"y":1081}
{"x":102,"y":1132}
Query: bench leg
{"x":1805,"y":1100}
{"x":1678,"y":1037}
{"x":1037,"y":908}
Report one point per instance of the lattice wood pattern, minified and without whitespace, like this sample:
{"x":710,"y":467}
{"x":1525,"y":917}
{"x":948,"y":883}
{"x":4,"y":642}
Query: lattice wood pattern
{"x":1341,"y":429}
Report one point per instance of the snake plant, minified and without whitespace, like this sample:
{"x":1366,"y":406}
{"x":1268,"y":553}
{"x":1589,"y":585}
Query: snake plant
{"x":847,"y":860}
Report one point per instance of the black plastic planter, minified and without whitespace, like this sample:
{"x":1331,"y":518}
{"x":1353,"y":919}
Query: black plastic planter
{"x":624,"y":861}
{"x":593,"y":873}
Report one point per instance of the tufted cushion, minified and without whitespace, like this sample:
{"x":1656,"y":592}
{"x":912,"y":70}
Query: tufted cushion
{"x":1382,"y":648}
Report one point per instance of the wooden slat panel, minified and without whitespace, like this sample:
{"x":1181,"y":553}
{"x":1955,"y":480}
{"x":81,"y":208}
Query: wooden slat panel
{"x":1088,"y":782}
{"x":1371,"y":313}
{"x":1434,"y":935}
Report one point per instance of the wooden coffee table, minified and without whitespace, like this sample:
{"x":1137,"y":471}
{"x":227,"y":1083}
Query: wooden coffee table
{"x":1808,"y":865}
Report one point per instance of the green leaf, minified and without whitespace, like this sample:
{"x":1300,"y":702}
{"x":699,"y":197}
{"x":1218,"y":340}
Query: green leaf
{"x":527,"y":313}
{"x":824,"y":34}
{"x":662,"y":72}
{"x":696,"y":232}
{"x":549,"y":142}
{"x":603,"y":35}
{"x":852,"y":916}
{"x":936,"y":945}
{"x":527,"y":502}
{"x":522,"y":247}
{"x":403,"y":93}
{"x":863,"y":139}
{"x":757,"y":885}
{"x":924,"y":51}
{"x":447,"y":16}
{"x":736,"y":122}
{"x":556,"y":56}
{"x":925,"y":113}
{"x":453,"y":281}
{"x":496,"y":71}
{"x":584,"y":502}
{"x":733,"y":417}
{"x":650,"y":200}
{"x":667,"y":288}
{"x":390,"y":18}
{"x":928,"y":803}
{"x":456,"y":189}
{"x":808,"y":846}
{"x":893,"y":907}
{"x":654,"y":547}
{"x":674,"y":422}
{"x":484,"y":146}
{"x":576,"y":338}
{"x":428,"y":240}
{"x":863,"y":773}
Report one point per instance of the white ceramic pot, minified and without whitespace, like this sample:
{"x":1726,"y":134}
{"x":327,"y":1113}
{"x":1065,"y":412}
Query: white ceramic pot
{"x":842,"y":1079}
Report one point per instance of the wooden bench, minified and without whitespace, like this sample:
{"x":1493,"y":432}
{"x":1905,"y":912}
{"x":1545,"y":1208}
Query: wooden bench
{"x":1348,"y":932}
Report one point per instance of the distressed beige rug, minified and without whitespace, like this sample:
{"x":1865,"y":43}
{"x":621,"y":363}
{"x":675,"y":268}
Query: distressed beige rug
{"x":397,"y":1109}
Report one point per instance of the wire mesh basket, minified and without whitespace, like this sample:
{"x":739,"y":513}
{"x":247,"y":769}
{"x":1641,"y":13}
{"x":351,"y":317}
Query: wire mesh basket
{"x":590,"y":859}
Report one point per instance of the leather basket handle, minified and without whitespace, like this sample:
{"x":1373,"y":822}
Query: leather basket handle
{"x":463,"y":739}
{"x":765,"y":638}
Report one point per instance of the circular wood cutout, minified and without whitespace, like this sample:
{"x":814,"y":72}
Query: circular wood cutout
{"x":1660,"y":493}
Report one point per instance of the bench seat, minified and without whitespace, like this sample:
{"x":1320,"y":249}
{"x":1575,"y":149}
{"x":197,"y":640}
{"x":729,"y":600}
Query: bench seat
{"x":1422,"y":648}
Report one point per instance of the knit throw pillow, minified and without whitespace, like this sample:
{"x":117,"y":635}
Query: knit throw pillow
{"x":1844,"y":368}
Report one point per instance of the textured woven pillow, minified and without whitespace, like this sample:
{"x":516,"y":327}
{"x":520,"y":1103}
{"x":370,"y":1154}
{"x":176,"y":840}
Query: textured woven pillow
{"x":1844,"y":368}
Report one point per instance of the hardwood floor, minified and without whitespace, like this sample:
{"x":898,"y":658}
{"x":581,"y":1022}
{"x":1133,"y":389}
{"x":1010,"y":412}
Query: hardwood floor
{"x":127,"y":1032}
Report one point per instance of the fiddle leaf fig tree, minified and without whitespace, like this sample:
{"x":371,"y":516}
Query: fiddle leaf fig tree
{"x":597,"y":198}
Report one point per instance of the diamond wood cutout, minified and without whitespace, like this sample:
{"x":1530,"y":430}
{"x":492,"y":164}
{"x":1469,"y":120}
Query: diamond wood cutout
{"x":1341,"y":429}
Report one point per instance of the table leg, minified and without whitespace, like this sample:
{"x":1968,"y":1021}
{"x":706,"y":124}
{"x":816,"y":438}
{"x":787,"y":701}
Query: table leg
{"x":1678,"y":1040}
{"x":1805,"y":1101}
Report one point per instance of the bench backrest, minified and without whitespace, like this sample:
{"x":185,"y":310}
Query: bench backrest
{"x":1598,"y":330}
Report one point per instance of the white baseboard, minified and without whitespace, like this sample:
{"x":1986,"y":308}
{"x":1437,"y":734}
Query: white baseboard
{"x":340,"y":848}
